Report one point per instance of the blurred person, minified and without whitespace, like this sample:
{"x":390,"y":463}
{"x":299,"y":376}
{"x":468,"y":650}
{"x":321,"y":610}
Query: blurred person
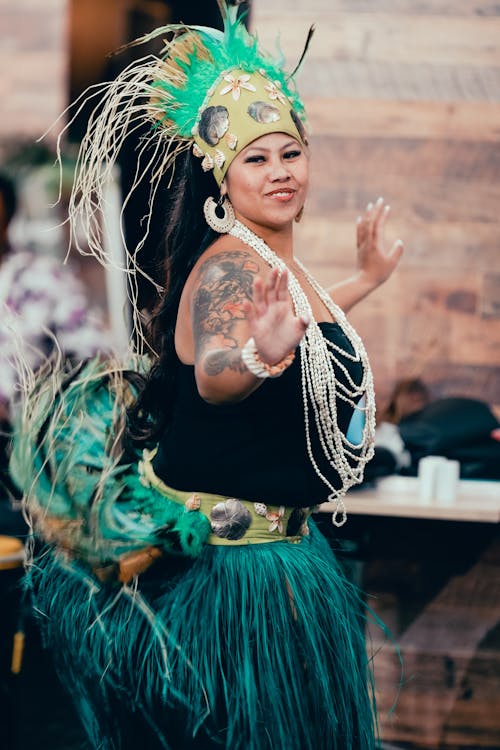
{"x":43,"y":309}
{"x":408,"y":397}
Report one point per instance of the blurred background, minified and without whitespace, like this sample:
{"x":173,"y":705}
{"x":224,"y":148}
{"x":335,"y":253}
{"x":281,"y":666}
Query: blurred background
{"x":403,"y":99}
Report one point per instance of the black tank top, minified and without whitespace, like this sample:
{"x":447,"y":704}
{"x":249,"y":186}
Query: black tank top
{"x":254,"y":449}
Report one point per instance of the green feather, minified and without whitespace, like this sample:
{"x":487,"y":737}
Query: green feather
{"x":67,"y":459}
{"x":217,"y":53}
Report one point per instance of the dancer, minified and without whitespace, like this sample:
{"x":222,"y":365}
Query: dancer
{"x":192,"y":601}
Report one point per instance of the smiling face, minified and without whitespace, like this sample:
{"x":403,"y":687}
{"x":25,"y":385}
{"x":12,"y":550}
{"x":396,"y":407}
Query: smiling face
{"x":267,"y":182}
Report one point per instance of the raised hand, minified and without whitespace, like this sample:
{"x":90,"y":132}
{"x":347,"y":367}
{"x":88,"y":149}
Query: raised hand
{"x":375,"y":262}
{"x":274,"y":327}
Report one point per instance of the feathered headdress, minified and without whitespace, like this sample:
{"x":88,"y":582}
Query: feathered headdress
{"x":209,"y":90}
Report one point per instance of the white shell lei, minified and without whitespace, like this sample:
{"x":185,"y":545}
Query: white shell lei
{"x":320,"y":389}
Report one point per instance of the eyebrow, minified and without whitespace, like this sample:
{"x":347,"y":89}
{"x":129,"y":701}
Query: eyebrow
{"x":261,"y":148}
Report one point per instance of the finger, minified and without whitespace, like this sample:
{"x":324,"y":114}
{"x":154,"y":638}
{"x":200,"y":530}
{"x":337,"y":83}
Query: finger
{"x":302,"y":324}
{"x":270,"y":288}
{"x":375,"y":213}
{"x":282,"y":287}
{"x":378,"y":209}
{"x":361,"y":230}
{"x":305,"y":321}
{"x":379,"y":224}
{"x":258,"y":296}
{"x":249,"y":311}
{"x":397,"y":251}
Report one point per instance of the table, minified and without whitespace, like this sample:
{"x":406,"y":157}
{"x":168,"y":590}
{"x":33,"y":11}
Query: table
{"x":432,"y":573}
{"x":398,"y":497}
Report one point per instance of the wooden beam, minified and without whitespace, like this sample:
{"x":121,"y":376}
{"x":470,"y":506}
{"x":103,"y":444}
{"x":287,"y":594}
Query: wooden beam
{"x":330,"y":240}
{"x":405,"y":7}
{"x":375,"y":37}
{"x":369,"y":118}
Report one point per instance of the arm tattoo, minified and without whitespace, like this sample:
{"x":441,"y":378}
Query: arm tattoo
{"x":225,"y":283}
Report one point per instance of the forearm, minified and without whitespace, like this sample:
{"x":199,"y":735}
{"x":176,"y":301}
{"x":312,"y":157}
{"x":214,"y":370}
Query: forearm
{"x":222,"y":377}
{"x":347,"y":293}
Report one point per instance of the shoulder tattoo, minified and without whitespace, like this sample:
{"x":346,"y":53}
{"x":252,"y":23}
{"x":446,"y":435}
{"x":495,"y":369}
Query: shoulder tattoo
{"x":225,"y":282}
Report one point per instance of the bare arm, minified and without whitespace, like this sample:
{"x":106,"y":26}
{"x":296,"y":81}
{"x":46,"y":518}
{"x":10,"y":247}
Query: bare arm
{"x":375,"y":263}
{"x":230,"y":304}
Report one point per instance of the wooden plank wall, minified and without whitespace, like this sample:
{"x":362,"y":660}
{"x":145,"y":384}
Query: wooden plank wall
{"x":33,"y":61}
{"x":403,"y":98}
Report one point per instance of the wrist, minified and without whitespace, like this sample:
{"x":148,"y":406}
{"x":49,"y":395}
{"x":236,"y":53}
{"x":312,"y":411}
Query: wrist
{"x":367,"y":281}
{"x":258,"y":367}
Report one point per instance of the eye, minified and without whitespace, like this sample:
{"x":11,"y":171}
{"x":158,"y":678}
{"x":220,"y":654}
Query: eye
{"x":292,"y":154}
{"x":257,"y":158}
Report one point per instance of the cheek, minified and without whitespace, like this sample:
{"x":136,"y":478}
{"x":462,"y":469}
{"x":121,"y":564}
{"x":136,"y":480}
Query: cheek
{"x":304,"y":175}
{"x":242,"y":187}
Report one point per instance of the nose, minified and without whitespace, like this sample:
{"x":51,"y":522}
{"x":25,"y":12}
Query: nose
{"x":279,"y":170}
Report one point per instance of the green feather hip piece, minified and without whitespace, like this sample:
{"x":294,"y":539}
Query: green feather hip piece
{"x":255,"y":646}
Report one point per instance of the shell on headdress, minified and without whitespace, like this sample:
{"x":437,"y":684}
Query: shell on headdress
{"x":208,"y":163}
{"x":230,"y":519}
{"x":213,"y":124}
{"x":219,"y":158}
{"x":197,"y":151}
{"x":273,"y":89}
{"x":260,"y":509}
{"x":231,"y":140}
{"x":263,"y":112}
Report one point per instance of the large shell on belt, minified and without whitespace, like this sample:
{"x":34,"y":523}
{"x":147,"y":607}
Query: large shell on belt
{"x":264,"y":112}
{"x":230,"y":519}
{"x":213,"y":124}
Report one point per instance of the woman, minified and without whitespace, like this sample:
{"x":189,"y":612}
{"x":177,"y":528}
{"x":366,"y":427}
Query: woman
{"x":243,"y":633}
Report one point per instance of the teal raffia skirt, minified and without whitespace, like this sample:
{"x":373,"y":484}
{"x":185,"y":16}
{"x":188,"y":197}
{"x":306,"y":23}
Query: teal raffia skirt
{"x":239,"y":632}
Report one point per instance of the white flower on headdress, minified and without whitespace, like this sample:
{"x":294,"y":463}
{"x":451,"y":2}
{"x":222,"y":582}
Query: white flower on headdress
{"x":274,"y":92}
{"x":236,"y":84}
{"x":219,"y":158}
{"x":276,"y":519}
{"x":197,"y":151}
{"x":208,"y":163}
{"x":231,"y":140}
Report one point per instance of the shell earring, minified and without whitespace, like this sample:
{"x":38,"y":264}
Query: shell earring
{"x":221,"y":224}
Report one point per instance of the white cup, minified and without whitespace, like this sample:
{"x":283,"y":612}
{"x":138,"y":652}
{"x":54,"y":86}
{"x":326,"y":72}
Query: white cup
{"x":428,"y":468}
{"x":448,"y":475}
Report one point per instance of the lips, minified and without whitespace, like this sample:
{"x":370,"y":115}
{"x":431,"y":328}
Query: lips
{"x":283,"y":195}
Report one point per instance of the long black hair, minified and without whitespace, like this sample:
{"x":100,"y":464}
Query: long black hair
{"x":187,"y":235}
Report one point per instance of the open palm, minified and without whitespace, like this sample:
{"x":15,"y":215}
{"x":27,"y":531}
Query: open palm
{"x":275,"y":329}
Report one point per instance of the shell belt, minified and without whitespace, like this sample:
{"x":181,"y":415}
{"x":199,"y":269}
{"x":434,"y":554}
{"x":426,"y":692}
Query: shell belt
{"x":234,"y":522}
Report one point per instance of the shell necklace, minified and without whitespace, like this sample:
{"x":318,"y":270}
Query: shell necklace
{"x":319,"y":359}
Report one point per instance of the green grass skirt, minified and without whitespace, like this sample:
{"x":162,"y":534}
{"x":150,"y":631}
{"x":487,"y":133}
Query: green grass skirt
{"x":259,"y":647}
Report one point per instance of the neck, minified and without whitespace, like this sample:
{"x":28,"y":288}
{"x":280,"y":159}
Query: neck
{"x":279,"y":240}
